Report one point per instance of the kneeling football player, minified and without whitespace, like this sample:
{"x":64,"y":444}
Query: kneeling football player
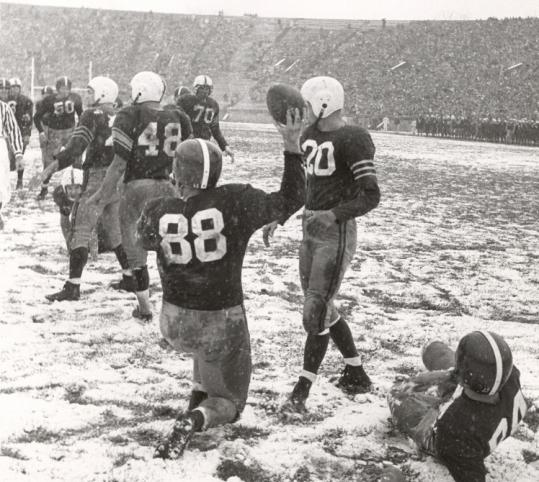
{"x":201,"y":236}
{"x":460,"y":411}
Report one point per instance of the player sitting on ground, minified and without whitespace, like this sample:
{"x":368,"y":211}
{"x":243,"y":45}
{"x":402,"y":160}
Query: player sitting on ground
{"x":144,"y":137}
{"x":341,"y":185}
{"x":93,"y":135}
{"x":203,"y":111}
{"x":461,"y":414}
{"x":201,"y":235}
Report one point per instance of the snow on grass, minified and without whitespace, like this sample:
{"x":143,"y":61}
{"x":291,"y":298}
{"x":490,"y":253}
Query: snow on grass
{"x":86,"y":392}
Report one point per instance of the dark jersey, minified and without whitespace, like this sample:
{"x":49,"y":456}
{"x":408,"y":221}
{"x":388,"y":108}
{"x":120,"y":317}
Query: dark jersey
{"x":22,"y":107}
{"x":60,"y":110}
{"x":204,"y":115}
{"x":201,"y":242}
{"x":93,"y":134}
{"x":43,"y":118}
{"x":146,"y":139}
{"x":339,"y":166}
{"x":467,"y":431}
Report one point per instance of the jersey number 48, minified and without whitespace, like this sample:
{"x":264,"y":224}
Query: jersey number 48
{"x":150,"y":140}
{"x":209,"y":244}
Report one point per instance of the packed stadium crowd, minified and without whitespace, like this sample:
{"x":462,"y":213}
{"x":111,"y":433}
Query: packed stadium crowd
{"x":512,"y":131}
{"x":483,"y":68}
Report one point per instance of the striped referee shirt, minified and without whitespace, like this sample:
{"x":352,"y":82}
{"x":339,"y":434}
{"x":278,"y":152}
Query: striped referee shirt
{"x":9,"y":128}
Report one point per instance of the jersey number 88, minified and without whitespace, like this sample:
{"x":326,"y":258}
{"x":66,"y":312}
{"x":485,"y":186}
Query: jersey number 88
{"x":206,"y":225}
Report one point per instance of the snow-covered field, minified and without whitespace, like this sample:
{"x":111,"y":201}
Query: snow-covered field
{"x":86,"y":391}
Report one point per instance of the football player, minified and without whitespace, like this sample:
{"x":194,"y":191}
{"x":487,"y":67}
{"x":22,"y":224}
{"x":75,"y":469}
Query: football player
{"x":22,"y":107}
{"x":10,"y":140}
{"x":464,"y":410}
{"x":341,"y":185}
{"x":60,"y":109}
{"x":65,"y":196}
{"x":144,"y":137}
{"x":200,"y":234}
{"x":43,"y":120}
{"x":93,"y":135}
{"x":203,"y":111}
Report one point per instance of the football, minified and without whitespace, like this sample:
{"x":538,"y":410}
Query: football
{"x":280,"y":98}
{"x":438,"y":356}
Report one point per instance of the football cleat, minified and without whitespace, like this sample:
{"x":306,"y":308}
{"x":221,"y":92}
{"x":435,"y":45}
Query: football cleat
{"x":147,"y":87}
{"x":197,"y":163}
{"x":70,"y":292}
{"x":127,"y":283}
{"x":178,"y":439}
{"x":197,"y":397}
{"x":299,"y":395}
{"x":484,"y":362}
{"x":324,"y":94}
{"x":42,"y":194}
{"x":354,"y":380}
{"x":105,"y":90}
{"x":141,"y":316}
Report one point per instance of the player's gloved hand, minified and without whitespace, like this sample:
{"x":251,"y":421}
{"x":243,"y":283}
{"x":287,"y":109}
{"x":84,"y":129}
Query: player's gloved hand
{"x":42,"y":139}
{"x":291,"y":132}
{"x":320,"y":221}
{"x":267,"y":232}
{"x":229,"y":153}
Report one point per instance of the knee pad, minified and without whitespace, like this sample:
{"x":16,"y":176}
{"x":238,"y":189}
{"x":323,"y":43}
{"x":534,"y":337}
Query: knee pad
{"x":314,"y":314}
{"x":142,"y":278}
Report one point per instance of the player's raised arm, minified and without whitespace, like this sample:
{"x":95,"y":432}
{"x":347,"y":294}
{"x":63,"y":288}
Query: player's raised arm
{"x":260,"y":207}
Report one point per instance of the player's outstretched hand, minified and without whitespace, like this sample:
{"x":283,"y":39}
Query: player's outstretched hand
{"x":229,"y":153}
{"x":267,"y":232}
{"x":291,"y":131}
{"x":320,"y":221}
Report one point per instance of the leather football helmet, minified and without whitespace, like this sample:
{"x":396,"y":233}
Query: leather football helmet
{"x":325,"y":94}
{"x":483,"y":362}
{"x":147,"y":87}
{"x":197,"y":163}
{"x":63,"y":82}
{"x":202,"y":81}
{"x":105,"y":90}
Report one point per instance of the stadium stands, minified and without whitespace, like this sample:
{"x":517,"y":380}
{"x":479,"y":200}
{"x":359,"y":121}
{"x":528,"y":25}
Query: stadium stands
{"x":462,"y":68}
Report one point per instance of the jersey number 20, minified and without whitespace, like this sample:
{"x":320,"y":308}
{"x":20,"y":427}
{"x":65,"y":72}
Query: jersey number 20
{"x":206,"y":225}
{"x":320,"y":159}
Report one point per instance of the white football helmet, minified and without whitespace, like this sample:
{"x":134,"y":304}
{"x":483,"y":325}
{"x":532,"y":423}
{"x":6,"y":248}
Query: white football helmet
{"x":105,"y":90}
{"x":15,"y":82}
{"x":147,"y":87}
{"x":325,"y":94}
{"x":71,"y":176}
{"x":202,"y":80}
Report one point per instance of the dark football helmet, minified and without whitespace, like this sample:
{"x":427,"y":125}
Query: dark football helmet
{"x":181,"y":90}
{"x":47,"y":90}
{"x":483,"y":362}
{"x":63,"y":82}
{"x":197,"y":163}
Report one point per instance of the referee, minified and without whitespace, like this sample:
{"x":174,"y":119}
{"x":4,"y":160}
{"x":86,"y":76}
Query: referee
{"x":9,"y":132}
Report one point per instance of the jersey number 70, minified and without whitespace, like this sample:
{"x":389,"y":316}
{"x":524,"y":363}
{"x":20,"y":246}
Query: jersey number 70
{"x":209,"y":244}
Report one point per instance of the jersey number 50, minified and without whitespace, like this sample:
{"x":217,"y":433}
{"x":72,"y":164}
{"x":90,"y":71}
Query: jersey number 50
{"x":320,"y":159}
{"x":206,"y":224}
